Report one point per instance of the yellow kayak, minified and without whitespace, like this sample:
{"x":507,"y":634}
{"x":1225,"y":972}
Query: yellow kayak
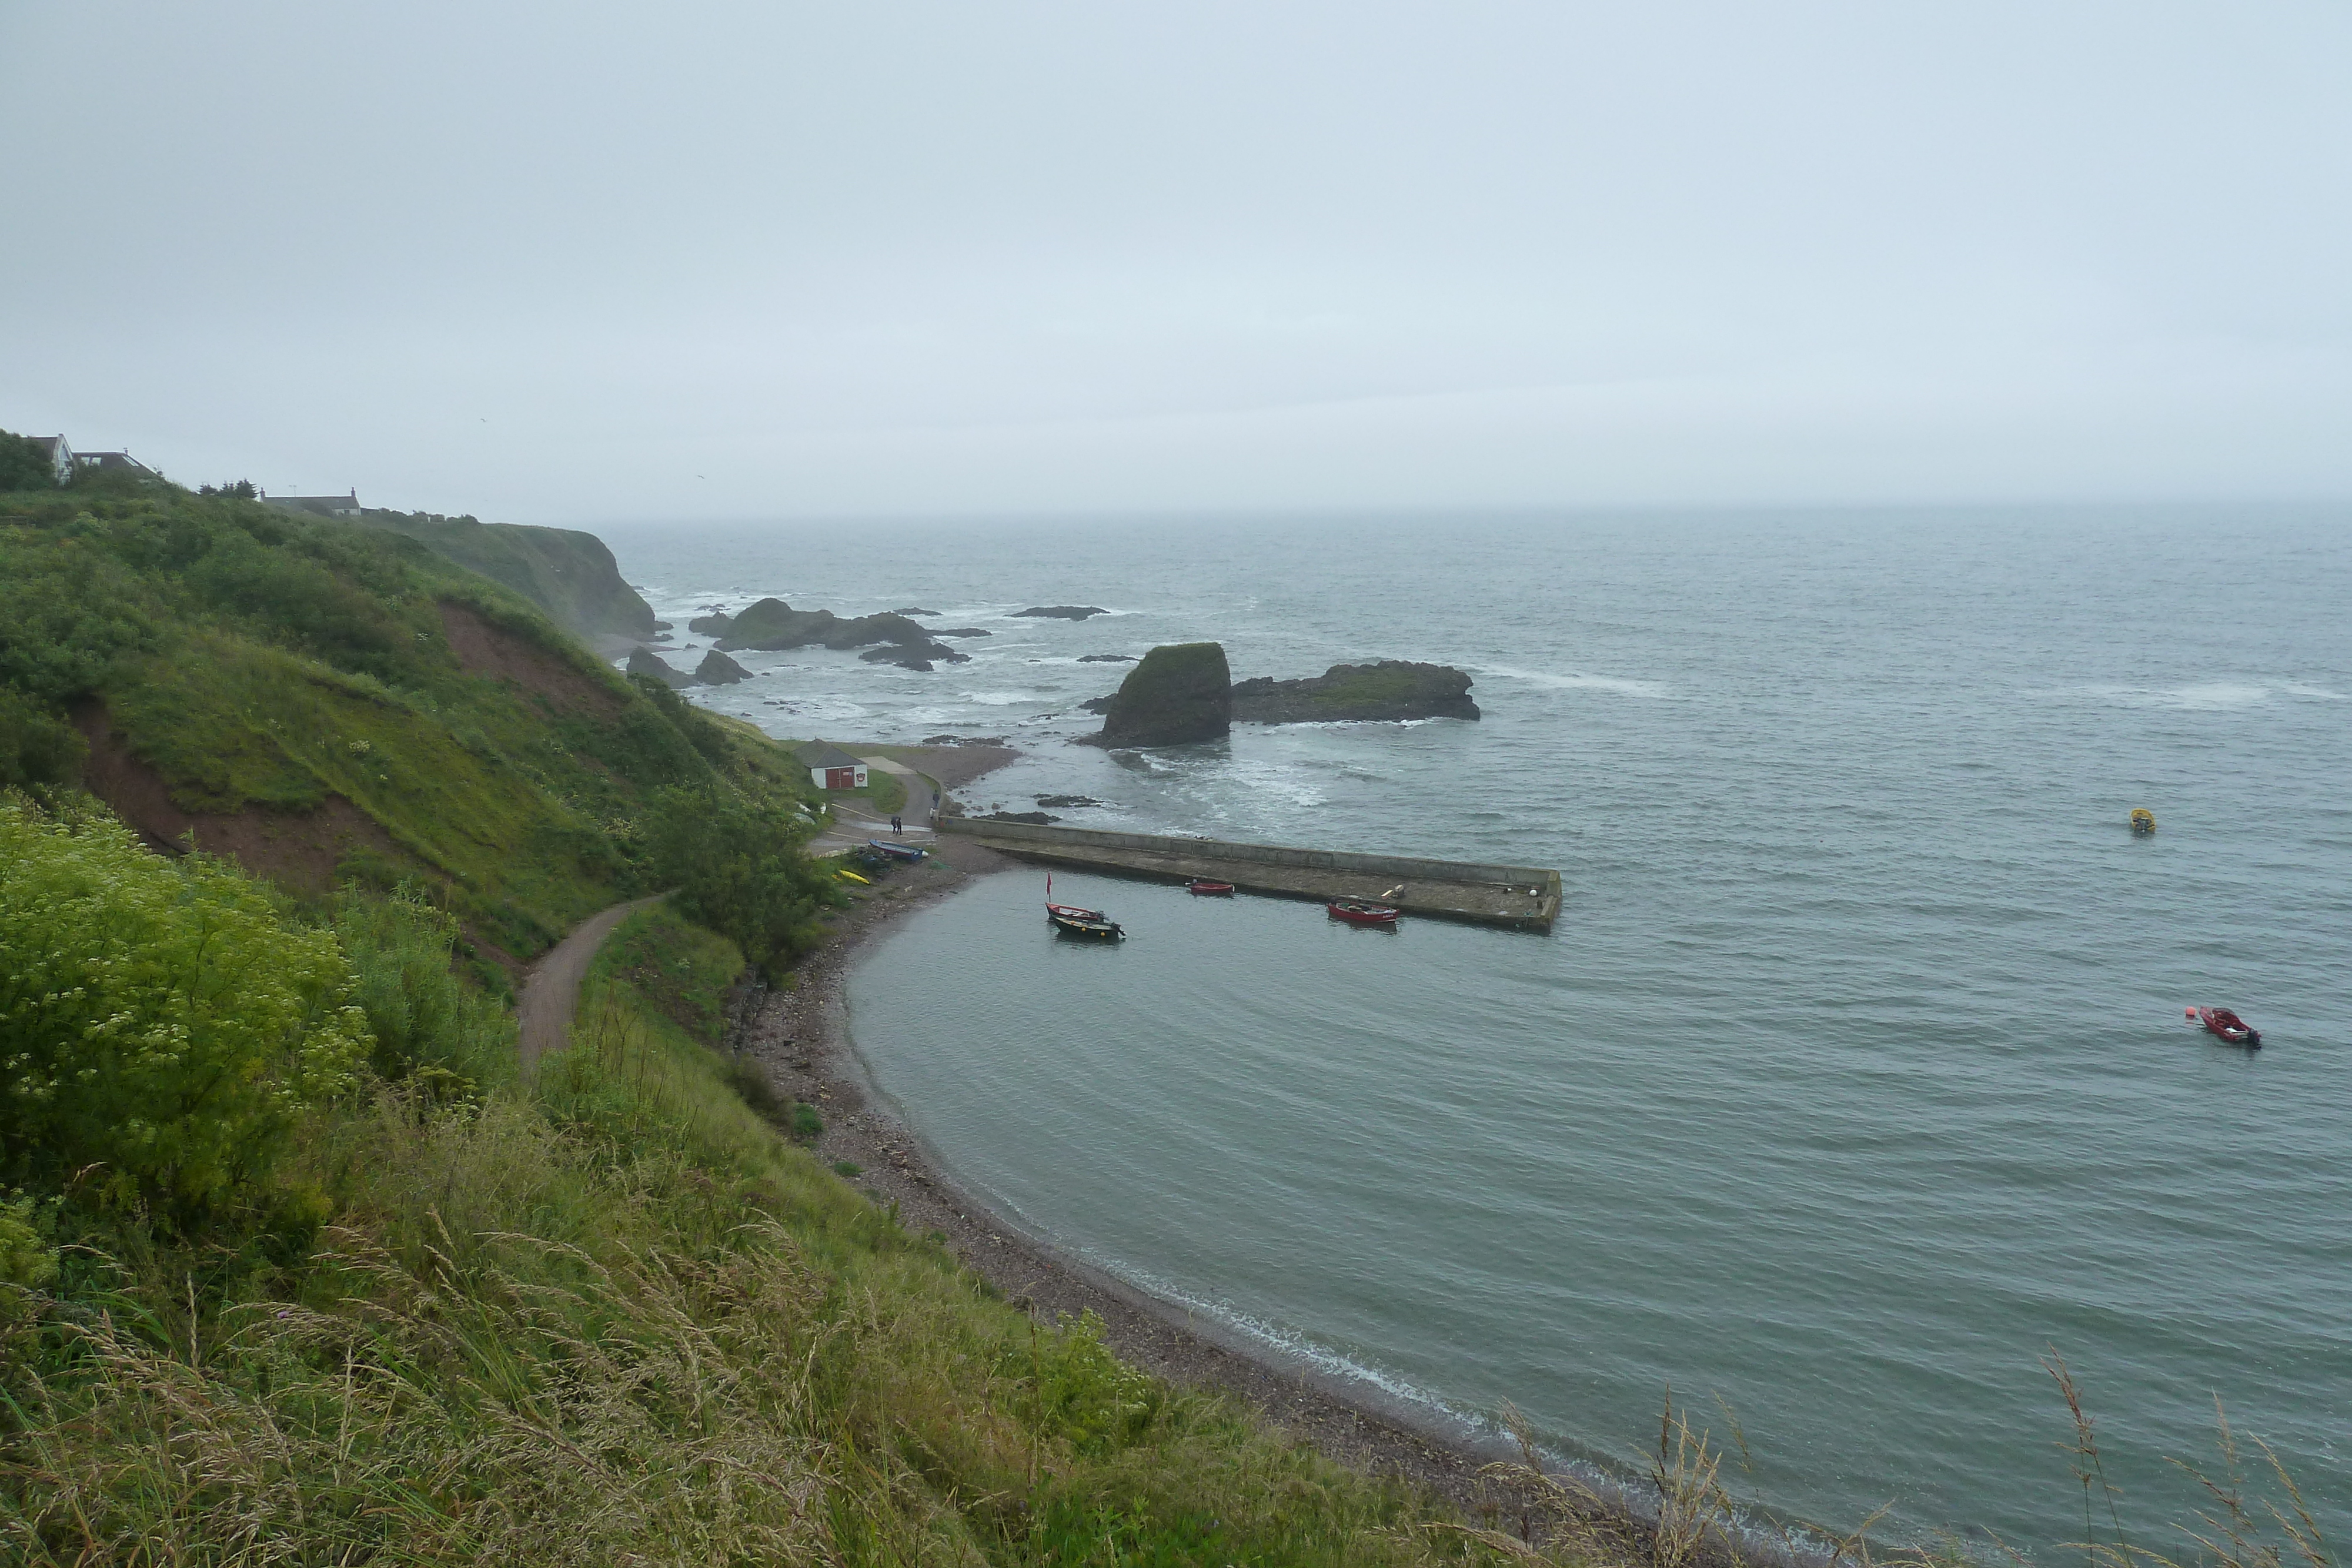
{"x":853,"y":877}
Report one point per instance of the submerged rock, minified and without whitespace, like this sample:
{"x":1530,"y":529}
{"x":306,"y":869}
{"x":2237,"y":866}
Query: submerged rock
{"x":1106,"y":658}
{"x":1181,"y":692}
{"x":643,"y":661}
{"x":959,"y":632}
{"x":1063,"y":612}
{"x":1039,"y":818}
{"x":1067,"y":802}
{"x":1389,"y":689}
{"x":717,"y":670}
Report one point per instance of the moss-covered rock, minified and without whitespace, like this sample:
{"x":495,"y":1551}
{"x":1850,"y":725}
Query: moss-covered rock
{"x":1181,"y":692}
{"x":1389,"y":689}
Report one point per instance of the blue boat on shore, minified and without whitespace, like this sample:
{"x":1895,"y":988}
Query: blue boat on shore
{"x":907,"y":852}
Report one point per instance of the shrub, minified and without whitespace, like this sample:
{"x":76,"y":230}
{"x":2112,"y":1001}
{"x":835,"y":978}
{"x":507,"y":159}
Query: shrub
{"x":37,"y":746}
{"x":160,"y":1026}
{"x":429,"y":1025}
{"x":23,"y":466}
{"x":738,"y":870}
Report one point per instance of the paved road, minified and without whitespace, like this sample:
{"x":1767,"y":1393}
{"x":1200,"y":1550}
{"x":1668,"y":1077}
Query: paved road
{"x":551,"y":994}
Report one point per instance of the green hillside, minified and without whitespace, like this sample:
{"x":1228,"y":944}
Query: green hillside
{"x":324,"y":701}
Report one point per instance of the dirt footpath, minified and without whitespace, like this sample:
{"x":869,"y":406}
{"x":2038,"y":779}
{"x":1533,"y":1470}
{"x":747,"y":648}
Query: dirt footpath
{"x":551,"y":996}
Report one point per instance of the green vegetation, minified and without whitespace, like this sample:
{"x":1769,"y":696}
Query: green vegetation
{"x":569,"y":575}
{"x":611,"y":1316}
{"x":23,"y":466}
{"x":163,"y":1029}
{"x":355,"y":706}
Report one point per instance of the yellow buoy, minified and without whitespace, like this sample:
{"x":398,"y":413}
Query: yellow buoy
{"x":2143,"y":821}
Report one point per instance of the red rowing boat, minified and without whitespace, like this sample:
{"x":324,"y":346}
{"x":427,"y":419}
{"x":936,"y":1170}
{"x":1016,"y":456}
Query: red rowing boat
{"x":1201,"y":886}
{"x":1359,"y":914}
{"x":2228,"y":1025}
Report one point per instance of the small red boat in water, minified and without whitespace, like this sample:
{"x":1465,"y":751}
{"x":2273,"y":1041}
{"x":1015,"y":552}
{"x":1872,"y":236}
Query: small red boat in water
{"x":1359,"y":914}
{"x":2228,"y":1025}
{"x":1201,"y":886}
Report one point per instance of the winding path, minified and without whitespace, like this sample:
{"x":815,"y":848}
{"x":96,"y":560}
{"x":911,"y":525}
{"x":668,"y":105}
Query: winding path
{"x":551,"y":993}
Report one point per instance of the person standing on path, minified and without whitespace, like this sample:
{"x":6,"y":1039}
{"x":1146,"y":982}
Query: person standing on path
{"x":895,"y":825}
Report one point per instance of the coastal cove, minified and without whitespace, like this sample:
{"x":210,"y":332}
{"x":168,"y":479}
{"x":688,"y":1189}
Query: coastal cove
{"x":1853,"y":1078}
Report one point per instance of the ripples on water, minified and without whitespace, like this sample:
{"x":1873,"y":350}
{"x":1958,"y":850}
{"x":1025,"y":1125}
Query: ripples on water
{"x":1852,"y":1078}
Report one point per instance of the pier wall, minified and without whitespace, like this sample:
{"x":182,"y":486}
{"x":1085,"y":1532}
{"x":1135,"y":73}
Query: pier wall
{"x":1489,"y":892}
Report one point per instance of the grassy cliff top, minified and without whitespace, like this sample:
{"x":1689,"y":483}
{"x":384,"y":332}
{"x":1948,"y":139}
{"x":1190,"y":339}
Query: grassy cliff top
{"x":327,"y":701}
{"x":569,"y":575}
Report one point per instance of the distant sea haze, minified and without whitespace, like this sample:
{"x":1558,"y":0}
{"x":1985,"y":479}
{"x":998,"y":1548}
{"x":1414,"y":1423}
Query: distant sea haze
{"x":1854,"y":1080}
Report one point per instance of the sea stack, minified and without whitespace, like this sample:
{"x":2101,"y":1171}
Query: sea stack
{"x":1181,"y":691}
{"x":717,"y":670}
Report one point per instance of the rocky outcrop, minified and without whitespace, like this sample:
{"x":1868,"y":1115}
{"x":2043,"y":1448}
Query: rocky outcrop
{"x":1062,"y":611}
{"x":912,"y":609}
{"x":1106,"y":658}
{"x":1067,"y":802}
{"x":714,"y":624}
{"x":914,"y":655}
{"x":1180,"y":693}
{"x":959,"y":632}
{"x":643,"y":661}
{"x":569,"y":575}
{"x":772,"y":625}
{"x":1389,"y":689}
{"x":717,"y":670}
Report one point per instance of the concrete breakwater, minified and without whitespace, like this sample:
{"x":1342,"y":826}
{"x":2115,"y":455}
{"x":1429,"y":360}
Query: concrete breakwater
{"x":1526,"y":896}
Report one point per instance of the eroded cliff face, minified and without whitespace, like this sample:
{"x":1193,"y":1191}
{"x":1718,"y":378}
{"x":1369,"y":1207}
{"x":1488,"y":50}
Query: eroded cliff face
{"x":1181,"y":692}
{"x":1387,"y":689}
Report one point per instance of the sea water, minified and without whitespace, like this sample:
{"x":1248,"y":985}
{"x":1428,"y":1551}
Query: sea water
{"x":1851,"y":1087}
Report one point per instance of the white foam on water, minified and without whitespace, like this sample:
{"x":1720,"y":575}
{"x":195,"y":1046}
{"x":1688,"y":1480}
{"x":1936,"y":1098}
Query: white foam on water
{"x":1281,"y":781}
{"x":2206,"y":695}
{"x":1578,"y":680}
{"x":999,"y":699}
{"x":2297,"y":689}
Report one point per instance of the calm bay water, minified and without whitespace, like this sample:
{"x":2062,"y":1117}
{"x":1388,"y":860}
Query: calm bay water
{"x":1853,"y":1078}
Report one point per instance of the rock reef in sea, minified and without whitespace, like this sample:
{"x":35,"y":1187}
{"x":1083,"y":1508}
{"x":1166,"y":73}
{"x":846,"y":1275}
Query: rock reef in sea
{"x":772,"y":625}
{"x":1387,"y":689}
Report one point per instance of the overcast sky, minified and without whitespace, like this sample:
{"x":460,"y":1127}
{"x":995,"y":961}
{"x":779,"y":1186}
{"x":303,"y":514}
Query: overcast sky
{"x":576,"y":263}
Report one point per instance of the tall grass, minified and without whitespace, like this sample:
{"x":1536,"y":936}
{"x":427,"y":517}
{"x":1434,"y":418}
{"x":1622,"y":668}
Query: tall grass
{"x":623,"y":1322}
